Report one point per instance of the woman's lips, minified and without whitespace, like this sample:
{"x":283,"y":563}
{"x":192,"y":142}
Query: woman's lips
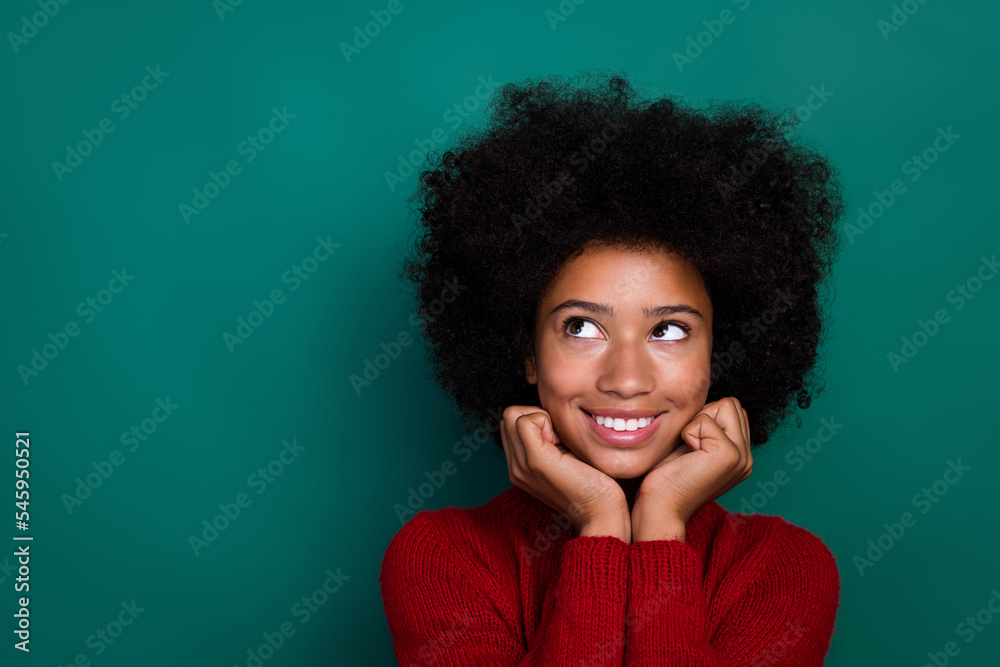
{"x":622,"y":438}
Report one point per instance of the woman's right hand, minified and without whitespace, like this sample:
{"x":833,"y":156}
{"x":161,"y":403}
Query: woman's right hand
{"x":540,"y":464}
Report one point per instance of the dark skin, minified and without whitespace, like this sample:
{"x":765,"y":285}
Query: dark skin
{"x":656,"y":506}
{"x":622,"y":356}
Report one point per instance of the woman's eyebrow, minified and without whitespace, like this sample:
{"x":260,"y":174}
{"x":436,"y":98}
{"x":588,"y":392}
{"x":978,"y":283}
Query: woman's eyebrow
{"x":608,"y":311}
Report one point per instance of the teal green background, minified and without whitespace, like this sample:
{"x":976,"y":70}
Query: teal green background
{"x":324,"y":176}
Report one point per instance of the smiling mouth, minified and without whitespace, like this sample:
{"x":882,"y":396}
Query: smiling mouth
{"x":621,"y":425}
{"x":624,"y":437}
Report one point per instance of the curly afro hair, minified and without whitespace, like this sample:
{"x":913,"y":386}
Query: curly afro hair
{"x":562,"y":164}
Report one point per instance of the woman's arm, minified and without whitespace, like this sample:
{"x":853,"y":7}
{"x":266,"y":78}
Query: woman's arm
{"x":453,"y":606}
{"x":783,"y":617}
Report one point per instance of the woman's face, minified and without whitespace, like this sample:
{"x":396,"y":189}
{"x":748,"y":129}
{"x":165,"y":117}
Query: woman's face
{"x":597,"y":350}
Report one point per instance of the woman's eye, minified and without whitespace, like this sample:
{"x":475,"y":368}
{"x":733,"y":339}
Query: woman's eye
{"x":575,"y":327}
{"x":679,"y":331}
{"x":670,"y":330}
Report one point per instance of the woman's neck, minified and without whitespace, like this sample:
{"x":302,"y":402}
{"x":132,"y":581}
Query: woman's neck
{"x":631,"y":489}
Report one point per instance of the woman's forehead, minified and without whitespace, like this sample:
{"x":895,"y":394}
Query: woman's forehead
{"x":626,"y":276}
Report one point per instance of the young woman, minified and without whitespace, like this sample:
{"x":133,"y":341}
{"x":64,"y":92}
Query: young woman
{"x":640,"y":297}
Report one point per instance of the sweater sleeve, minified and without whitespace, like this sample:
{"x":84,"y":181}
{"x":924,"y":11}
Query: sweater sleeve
{"x":447,"y":605}
{"x":783,"y":617}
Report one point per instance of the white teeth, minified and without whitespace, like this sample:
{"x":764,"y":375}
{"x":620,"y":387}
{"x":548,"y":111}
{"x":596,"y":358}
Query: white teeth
{"x":623,"y":424}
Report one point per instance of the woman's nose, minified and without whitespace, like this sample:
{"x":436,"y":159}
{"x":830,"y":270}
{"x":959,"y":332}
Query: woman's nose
{"x":626,"y":369}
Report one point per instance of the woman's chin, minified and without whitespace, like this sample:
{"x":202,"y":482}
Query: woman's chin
{"x":621,"y":465}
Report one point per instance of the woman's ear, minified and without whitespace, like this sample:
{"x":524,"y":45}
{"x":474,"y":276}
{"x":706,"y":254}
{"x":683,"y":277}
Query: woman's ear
{"x":529,"y":370}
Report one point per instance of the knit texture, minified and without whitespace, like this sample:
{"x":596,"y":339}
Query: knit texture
{"x":513,"y":583}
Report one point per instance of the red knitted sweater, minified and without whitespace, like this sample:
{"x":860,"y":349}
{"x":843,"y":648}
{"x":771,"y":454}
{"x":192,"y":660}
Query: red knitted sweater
{"x":512,"y":583}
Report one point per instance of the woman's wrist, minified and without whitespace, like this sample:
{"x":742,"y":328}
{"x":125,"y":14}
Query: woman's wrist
{"x":654,"y":521}
{"x":606,"y":526}
{"x":673,"y":529}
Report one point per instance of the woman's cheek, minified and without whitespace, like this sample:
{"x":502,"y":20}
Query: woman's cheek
{"x":701,"y":374}
{"x":706,"y":383}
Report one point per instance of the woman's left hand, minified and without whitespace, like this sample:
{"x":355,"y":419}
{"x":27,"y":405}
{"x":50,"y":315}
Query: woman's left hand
{"x":714,"y":457}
